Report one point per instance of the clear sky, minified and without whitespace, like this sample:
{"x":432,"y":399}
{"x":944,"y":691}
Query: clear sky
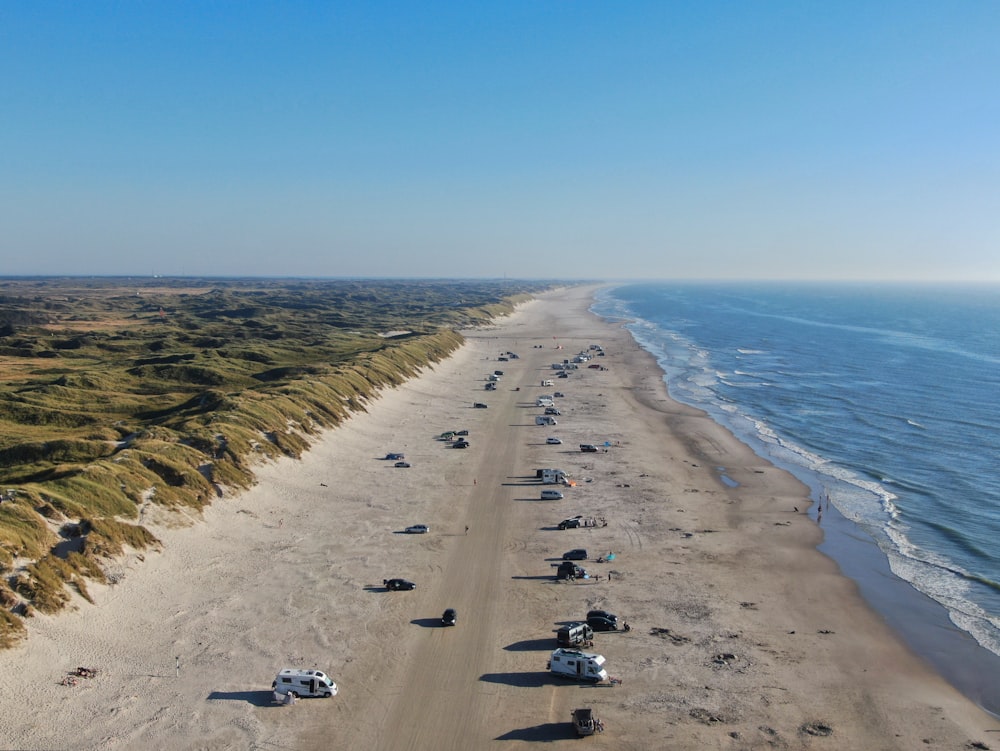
{"x":532,"y":139}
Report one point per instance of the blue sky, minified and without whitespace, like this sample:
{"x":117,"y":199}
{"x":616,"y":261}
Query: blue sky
{"x":726,"y":140}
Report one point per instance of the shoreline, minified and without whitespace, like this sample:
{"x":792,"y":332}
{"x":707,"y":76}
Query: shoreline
{"x":919,"y":621}
{"x":743,"y":634}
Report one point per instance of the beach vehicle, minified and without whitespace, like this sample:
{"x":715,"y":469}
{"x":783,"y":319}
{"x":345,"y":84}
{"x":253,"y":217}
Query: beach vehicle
{"x":461,"y":443}
{"x":551,"y":495}
{"x":585,"y":723}
{"x":547,"y":382}
{"x":490,"y":386}
{"x":569,"y":570}
{"x":558,"y":395}
{"x":402,"y":465}
{"x":552,"y":411}
{"x":394,"y":457}
{"x":553,"y":441}
{"x":398,"y":585}
{"x":600,"y":620}
{"x":303,"y":683}
{"x":574,"y":635}
{"x":449,"y":617}
{"x":551,"y":476}
{"x":578,"y":665}
{"x":563,"y":375}
{"x":588,"y":448}
{"x":578,"y":521}
{"x":417,"y":529}
{"x":577,"y":554}
{"x":545,"y":420}
{"x":461,"y":432}
{"x":479,"y":405}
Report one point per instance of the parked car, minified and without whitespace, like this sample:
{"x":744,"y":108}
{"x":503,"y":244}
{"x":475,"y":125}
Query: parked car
{"x":569,"y":524}
{"x":551,"y":495}
{"x":552,"y":411}
{"x":588,"y":448}
{"x":564,"y":374}
{"x":558,"y":395}
{"x":402,"y":465}
{"x":602,"y":624}
{"x":553,"y":441}
{"x":479,"y":405}
{"x":394,"y":457}
{"x":398,"y":585}
{"x":417,"y":529}
{"x":461,"y":432}
{"x":449,"y":617}
{"x":602,"y":620}
{"x":461,"y":443}
{"x":577,"y":554}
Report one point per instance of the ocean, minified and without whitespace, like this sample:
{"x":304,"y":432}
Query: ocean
{"x":885,"y":401}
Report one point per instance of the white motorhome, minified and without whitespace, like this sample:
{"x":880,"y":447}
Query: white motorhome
{"x":544,"y":401}
{"x":580,"y":666}
{"x":545,"y":420}
{"x":548,"y":382}
{"x":304,"y":683}
{"x":552,"y":476}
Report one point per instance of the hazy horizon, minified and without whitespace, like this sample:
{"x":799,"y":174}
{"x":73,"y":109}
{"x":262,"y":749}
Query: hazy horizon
{"x":529,"y":140}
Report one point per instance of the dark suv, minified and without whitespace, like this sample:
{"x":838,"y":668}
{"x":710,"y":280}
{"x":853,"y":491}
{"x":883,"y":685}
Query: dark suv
{"x":578,"y":554}
{"x":569,"y":524}
{"x":398,"y":585}
{"x":602,"y":620}
{"x":449,"y":617}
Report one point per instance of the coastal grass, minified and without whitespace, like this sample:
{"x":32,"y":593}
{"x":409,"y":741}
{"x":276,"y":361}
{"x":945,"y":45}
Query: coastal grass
{"x":119,"y":393}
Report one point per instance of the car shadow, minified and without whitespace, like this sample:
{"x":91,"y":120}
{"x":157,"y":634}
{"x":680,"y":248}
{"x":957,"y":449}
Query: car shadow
{"x":530,"y":578}
{"x":531,"y":645}
{"x":256,"y":698}
{"x":428,"y":622}
{"x":525,"y":680}
{"x":548,"y":731}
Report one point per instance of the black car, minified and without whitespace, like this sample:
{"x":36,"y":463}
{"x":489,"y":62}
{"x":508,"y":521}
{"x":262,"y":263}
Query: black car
{"x":398,"y":585}
{"x":479,"y":405}
{"x":602,"y":620}
{"x":578,"y":554}
{"x":460,"y":444}
{"x":449,"y":617}
{"x":569,"y":524}
{"x":602,"y":624}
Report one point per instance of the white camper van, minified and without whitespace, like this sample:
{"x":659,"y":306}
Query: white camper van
{"x":545,"y":420}
{"x":304,"y":683}
{"x":580,"y":666}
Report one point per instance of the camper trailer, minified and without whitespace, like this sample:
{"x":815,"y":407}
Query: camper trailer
{"x":304,"y":683}
{"x":574,"y":635}
{"x":577,"y":665}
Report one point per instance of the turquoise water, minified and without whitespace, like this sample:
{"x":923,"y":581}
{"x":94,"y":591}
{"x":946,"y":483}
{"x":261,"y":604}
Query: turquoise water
{"x":884,"y":399}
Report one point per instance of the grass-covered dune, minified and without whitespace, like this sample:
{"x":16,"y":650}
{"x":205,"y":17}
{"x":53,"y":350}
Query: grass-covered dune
{"x":117,"y":393}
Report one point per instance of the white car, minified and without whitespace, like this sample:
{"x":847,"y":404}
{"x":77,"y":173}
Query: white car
{"x":553,"y":440}
{"x":417,"y":529}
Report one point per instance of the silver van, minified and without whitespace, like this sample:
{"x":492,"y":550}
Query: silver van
{"x":551,"y":495}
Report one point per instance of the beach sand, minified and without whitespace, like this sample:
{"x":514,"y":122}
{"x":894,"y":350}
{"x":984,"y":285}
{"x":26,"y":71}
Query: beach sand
{"x":743,"y":636}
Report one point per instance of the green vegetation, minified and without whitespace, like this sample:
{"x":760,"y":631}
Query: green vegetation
{"x":115,"y":393}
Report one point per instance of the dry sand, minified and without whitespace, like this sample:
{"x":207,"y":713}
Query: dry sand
{"x":743,"y":636}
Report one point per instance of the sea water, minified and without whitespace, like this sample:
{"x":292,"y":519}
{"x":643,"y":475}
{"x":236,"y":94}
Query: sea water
{"x":885,"y":400}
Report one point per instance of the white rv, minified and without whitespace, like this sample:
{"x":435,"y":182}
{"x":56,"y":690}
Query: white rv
{"x":545,"y":420}
{"x":304,"y":683}
{"x":552,"y":476}
{"x":580,"y":666}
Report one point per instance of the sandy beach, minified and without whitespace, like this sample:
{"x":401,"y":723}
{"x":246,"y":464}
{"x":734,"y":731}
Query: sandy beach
{"x":742,"y":636}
